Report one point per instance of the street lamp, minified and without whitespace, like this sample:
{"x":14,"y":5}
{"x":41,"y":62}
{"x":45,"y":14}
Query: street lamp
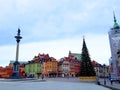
{"x":97,"y":70}
{"x":104,"y":74}
{"x":97,"y":73}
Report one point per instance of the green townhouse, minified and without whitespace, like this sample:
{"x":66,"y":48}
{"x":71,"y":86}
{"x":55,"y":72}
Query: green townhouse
{"x":33,"y":69}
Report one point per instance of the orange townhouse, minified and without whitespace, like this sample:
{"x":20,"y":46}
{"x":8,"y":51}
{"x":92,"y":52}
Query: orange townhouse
{"x":50,"y":68}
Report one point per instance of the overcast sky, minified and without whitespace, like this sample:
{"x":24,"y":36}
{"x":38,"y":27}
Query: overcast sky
{"x":55,"y":27}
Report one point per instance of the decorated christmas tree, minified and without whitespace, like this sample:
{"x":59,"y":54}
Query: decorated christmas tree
{"x":86,"y":67}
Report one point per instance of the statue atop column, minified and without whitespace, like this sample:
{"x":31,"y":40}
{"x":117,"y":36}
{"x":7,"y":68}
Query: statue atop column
{"x":18,"y":31}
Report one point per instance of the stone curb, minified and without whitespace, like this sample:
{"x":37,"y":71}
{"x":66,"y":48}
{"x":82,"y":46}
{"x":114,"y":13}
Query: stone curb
{"x":17,"y":80}
{"x":112,"y":88}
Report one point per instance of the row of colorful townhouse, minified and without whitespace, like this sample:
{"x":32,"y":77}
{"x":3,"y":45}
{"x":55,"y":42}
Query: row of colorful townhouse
{"x":68,"y":66}
{"x":48,"y":66}
{"x":44,"y":65}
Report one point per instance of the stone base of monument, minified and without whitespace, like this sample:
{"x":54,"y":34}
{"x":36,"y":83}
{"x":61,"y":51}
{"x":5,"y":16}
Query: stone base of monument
{"x":88,"y":79}
{"x":15,"y":74}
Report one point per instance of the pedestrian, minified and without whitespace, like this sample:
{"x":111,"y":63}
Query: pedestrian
{"x":68,"y":76}
{"x":111,"y":81}
{"x":42,"y":76}
{"x":104,"y":81}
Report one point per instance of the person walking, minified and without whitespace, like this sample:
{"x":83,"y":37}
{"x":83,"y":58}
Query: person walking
{"x":111,"y":82}
{"x":42,"y":77}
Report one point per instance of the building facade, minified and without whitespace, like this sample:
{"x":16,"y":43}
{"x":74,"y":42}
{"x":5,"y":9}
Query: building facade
{"x":69,"y":66}
{"x":33,"y":69}
{"x":101,"y":70}
{"x":42,"y":65}
{"x":50,"y":68}
{"x":5,"y":72}
{"x":63,"y":68}
{"x":114,"y":39}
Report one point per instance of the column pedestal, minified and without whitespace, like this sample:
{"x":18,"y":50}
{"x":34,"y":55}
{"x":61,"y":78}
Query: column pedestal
{"x":16,"y":74}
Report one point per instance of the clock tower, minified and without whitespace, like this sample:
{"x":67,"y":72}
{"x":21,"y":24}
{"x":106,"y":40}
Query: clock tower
{"x":114,"y":39}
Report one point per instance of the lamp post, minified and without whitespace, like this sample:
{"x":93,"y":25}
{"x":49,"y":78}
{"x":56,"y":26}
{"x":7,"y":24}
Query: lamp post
{"x":104,"y":74}
{"x":97,"y":73}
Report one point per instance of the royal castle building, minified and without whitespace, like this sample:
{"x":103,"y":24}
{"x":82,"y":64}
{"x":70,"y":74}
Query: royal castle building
{"x":114,"y":39}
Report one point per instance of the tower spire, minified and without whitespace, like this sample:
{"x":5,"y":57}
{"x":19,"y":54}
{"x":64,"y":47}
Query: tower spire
{"x":114,"y":17}
{"x":115,"y":26}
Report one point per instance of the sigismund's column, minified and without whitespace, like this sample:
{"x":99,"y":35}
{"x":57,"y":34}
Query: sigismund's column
{"x":16,"y":74}
{"x":18,"y":37}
